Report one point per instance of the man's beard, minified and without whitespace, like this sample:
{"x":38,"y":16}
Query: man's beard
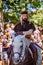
{"x":24,"y":19}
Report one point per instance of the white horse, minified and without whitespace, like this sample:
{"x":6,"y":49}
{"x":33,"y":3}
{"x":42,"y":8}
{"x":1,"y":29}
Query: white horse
{"x":21,"y":52}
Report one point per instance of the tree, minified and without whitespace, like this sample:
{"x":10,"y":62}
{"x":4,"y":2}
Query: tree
{"x":37,"y":19}
{"x":12,"y":8}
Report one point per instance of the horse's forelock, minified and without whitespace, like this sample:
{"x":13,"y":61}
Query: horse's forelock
{"x":19,"y":38}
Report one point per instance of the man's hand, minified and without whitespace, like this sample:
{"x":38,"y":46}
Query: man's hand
{"x":28,"y":32}
{"x":20,"y":33}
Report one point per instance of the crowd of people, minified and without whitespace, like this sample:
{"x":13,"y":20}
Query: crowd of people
{"x":6,"y":37}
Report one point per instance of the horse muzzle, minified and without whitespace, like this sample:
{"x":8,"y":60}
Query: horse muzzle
{"x":16,"y":59}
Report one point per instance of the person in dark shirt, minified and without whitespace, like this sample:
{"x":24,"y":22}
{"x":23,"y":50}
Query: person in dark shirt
{"x":27,"y":28}
{"x":24,"y":25}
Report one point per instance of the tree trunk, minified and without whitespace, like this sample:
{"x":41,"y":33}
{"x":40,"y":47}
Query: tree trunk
{"x":2,"y":18}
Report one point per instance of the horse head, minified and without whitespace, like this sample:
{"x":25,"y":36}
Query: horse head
{"x":19,"y":46}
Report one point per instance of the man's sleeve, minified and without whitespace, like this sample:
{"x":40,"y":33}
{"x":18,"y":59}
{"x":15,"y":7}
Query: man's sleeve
{"x":16,"y":28}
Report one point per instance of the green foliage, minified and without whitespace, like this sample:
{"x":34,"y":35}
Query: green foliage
{"x":17,"y":6}
{"x":36,"y":3}
{"x":1,"y":7}
{"x":37,"y":19}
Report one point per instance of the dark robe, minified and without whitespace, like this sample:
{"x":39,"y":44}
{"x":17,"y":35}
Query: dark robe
{"x":24,"y":27}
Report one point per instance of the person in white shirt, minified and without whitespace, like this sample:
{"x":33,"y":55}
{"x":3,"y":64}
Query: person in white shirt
{"x":37,"y":40}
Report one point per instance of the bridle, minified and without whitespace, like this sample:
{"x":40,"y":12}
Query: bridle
{"x":22,"y":57}
{"x":17,"y":53}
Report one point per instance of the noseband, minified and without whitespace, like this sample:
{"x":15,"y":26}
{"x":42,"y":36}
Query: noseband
{"x":17,"y":53}
{"x":20,"y":55}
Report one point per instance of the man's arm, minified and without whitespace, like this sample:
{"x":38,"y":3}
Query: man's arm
{"x":17,"y":27}
{"x":31,"y":30}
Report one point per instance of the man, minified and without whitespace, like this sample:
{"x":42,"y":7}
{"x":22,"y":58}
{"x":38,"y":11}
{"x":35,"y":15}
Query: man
{"x":27,"y":28}
{"x":24,"y":24}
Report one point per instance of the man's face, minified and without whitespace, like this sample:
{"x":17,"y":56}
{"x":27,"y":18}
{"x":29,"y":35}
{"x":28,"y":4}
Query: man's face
{"x":24,"y":17}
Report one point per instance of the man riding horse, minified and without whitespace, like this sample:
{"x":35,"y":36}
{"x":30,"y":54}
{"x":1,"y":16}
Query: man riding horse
{"x":27,"y":28}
